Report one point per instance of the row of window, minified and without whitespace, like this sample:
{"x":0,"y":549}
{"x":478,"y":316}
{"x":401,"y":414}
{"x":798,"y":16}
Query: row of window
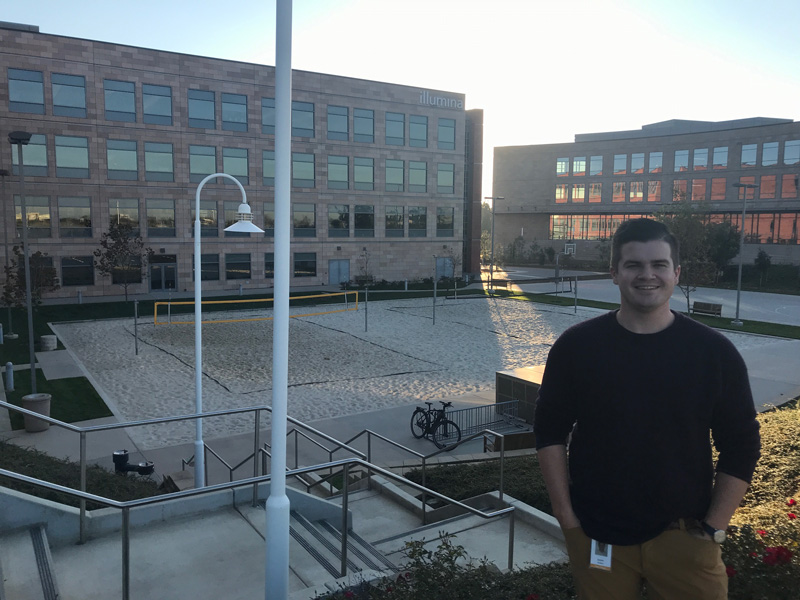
{"x":697,"y":190}
{"x":759,"y":228}
{"x":122,"y":160}
{"x":634,"y":163}
{"x":26,"y":94}
{"x":75,"y":218}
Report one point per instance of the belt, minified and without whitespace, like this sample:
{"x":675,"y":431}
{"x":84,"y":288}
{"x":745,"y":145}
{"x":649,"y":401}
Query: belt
{"x":692,"y":525}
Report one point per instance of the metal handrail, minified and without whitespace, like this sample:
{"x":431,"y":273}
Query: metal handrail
{"x":126,"y":506}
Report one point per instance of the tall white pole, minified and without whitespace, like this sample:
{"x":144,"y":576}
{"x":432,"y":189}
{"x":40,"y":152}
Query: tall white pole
{"x":277,"y":512}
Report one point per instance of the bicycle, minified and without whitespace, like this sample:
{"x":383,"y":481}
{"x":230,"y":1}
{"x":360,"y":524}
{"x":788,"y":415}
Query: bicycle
{"x":434,"y":425}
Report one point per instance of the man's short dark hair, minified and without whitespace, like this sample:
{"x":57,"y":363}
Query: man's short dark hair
{"x":643,"y":230}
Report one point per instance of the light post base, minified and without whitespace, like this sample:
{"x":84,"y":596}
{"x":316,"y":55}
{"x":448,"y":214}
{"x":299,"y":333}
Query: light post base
{"x":737,"y":322}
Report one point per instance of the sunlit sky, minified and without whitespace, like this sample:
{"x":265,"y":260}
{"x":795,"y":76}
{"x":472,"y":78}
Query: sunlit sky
{"x":542,"y":70}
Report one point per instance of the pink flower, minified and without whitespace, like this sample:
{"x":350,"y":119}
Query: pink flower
{"x":775,"y":555}
{"x":532,"y":597}
{"x":791,"y":502}
{"x":349,"y":594}
{"x":791,"y":515}
{"x":730,"y":571}
{"x":761,"y":532}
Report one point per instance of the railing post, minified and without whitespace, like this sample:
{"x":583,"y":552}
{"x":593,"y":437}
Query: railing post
{"x":511,"y":518}
{"x":82,"y":523}
{"x":424,"y":495}
{"x":346,"y":473}
{"x":502,"y":462}
{"x":126,"y":554}
{"x":256,"y":444}
{"x":296,"y":451}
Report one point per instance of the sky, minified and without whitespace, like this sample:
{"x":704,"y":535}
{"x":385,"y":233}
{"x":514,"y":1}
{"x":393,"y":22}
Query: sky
{"x":542,"y":70}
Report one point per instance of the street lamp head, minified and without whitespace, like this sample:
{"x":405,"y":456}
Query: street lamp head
{"x":244,"y":223}
{"x":19,"y":137}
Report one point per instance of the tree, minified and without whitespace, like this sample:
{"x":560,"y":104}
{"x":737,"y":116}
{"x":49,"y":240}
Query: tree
{"x":486,"y":247}
{"x":762,"y":262}
{"x":43,"y":278}
{"x":123,"y":256}
{"x":486,"y":217}
{"x":455,"y":259}
{"x":365,"y":268}
{"x":723,"y":245}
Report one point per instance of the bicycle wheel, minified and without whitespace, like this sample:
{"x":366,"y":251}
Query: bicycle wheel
{"x":419,"y":423}
{"x":446,"y":434}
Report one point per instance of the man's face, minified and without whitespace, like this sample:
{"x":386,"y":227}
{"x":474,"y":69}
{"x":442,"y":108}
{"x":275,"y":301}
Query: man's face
{"x":645,"y":275}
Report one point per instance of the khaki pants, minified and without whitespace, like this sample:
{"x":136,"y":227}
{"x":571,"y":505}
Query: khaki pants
{"x":676,"y":565}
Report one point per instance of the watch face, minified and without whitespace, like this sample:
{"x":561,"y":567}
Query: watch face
{"x":720,"y":536}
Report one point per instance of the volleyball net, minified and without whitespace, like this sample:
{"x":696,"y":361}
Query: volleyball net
{"x":252,"y":309}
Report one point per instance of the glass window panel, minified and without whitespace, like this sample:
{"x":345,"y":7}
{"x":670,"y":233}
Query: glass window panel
{"x":637,"y":188}
{"x":720,"y":160}
{"x":749,"y":152}
{"x":791,"y":152}
{"x":72,"y":156}
{"x":122,"y":160}
{"x":302,"y":119}
{"x":719,"y":186}
{"x":202,"y":109}
{"x":209,"y":267}
{"x":394,"y":221}
{"x":578,"y":192}
{"x":157,"y":104}
{"x":74,"y":217}
{"x":268,"y":116}
{"x":338,"y":220}
{"x":618,"y":191}
{"x":446,"y":137}
{"x":579,"y":165}
{"x":637,"y":163}
{"x":395,"y":129}
{"x":302,"y":170}
{"x":620,"y":164}
{"x":120,"y":100}
{"x":681,"y":160}
{"x":34,"y":157}
{"x":363,"y":174}
{"x":789,"y":186}
{"x":269,"y":265}
{"x":202,"y":162}
{"x":562,"y":193}
{"x":395,"y":172}
{"x":237,"y":266}
{"x":305,"y":264}
{"x":234,"y":112}
{"x":445,"y":178}
{"x":445,"y":221}
{"x":25,"y":91}
{"x":37,"y":211}
{"x":77,"y":270}
{"x":234,"y":162}
{"x":363,"y":125}
{"x":209,"y":226}
{"x":69,"y":95}
{"x":338,"y":173}
{"x":417,"y":131}
{"x":679,"y":190}
{"x":417,"y":176}
{"x":750,"y":180}
{"x":417,"y":221}
{"x":654,"y":191}
{"x":124,"y":211}
{"x":595,"y":192}
{"x":656,"y":160}
{"x":699,"y":190}
{"x":269,"y":219}
{"x":158,"y":161}
{"x":304,"y":220}
{"x":596,"y":165}
{"x":767,"y":190}
{"x":562,"y":167}
{"x":160,"y":218}
{"x":338,"y":123}
{"x":268,"y":166}
{"x":364,"y":220}
{"x":769,"y":154}
{"x":700,"y":159}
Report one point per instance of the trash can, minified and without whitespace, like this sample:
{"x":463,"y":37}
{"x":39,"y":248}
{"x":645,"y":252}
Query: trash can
{"x":48,"y":343}
{"x":39,"y":403}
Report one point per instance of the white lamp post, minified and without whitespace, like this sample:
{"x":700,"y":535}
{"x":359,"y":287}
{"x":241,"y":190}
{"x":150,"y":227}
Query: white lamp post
{"x":746,"y":186}
{"x":491,"y":268}
{"x":245,"y":225}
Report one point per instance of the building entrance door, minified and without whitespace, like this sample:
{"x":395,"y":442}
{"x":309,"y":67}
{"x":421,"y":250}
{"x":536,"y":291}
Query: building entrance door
{"x":163,"y":273}
{"x":338,"y":271}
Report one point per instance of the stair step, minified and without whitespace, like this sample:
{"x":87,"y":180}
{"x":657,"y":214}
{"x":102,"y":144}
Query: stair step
{"x":27,"y":565}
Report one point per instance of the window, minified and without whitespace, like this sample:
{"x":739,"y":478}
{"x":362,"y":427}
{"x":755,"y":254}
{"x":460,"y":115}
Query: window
{"x":72,"y":156}
{"x":681,"y":160}
{"x":596,"y":165}
{"x":698,"y":190}
{"x":562,"y":167}
{"x":158,"y":161}
{"x":77,"y":270}
{"x":656,"y":161}
{"x":637,"y":163}
{"x":618,"y":191}
{"x":562,"y":193}
{"x":234,"y":112}
{"x":122,"y":160}
{"x":679,"y":190}
{"x":791,"y":152}
{"x":364,"y":220}
{"x":37,"y":212}
{"x":750,"y":191}
{"x":338,"y":173}
{"x":579,"y":166}
{"x":719,"y":186}
{"x":445,"y":178}
{"x":237,"y":266}
{"x":789,"y":186}
{"x":157,"y":104}
{"x":74,"y":217}
{"x":161,"y":218}
{"x":395,"y":129}
{"x":417,"y":221}
{"x":700,"y":159}
{"x":446,"y":137}
{"x":268,"y":166}
{"x":749,"y":152}
{"x":578,"y":192}
{"x":417,"y":131}
{"x":445,"y":221}
{"x":338,"y":123}
{"x":208,"y":219}
{"x":363,"y":125}
{"x":268,"y":116}
{"x":120,"y":100}
{"x":338,"y":220}
{"x":69,"y":95}
{"x":34,"y":157}
{"x":269,"y":219}
{"x":769,"y":154}
{"x":209,"y":267}
{"x":202,"y":162}
{"x":720,"y":160}
{"x":595,"y":192}
{"x":304,"y":221}
{"x":124,"y":211}
{"x":302,"y":170}
{"x":394,"y":175}
{"x":654,"y":191}
{"x":234,"y":162}
{"x":269,"y":265}
{"x":395,"y":222}
{"x":25,"y":91}
{"x":231,"y":216}
{"x":305,"y":264}
{"x":768,"y":183}
{"x":302,"y":119}
{"x":363,"y":174}
{"x":417,"y":176}
{"x":202,"y":109}
{"x":620,"y":164}
{"x":637,"y":189}
{"x":130,"y":273}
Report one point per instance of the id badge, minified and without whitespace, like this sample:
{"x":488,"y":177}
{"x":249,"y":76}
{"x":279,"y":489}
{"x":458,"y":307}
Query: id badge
{"x":600,"y":557}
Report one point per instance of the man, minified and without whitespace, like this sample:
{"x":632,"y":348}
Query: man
{"x":639,"y":390}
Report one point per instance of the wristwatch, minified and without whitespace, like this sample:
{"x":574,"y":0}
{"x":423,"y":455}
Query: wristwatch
{"x":718,"y":535}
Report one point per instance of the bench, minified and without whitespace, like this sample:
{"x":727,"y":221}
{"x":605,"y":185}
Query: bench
{"x":707,"y":308}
